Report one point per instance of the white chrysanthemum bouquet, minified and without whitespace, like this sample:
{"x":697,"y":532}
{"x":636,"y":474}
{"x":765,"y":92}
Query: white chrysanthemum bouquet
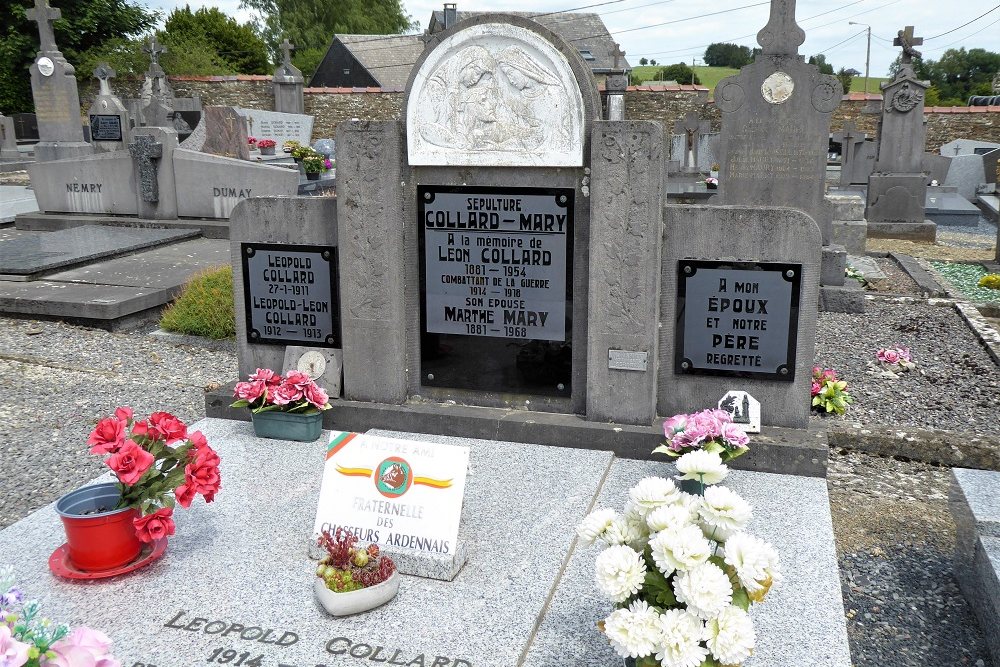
{"x":681,"y":570}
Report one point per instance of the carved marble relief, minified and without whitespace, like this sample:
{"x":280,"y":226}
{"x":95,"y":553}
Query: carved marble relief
{"x":495,"y":94}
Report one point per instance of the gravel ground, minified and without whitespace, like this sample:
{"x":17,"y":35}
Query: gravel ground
{"x":896,"y":280}
{"x":894,"y":532}
{"x":955,"y":384}
{"x":965,"y":242}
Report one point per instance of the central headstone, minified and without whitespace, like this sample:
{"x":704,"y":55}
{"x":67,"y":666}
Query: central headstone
{"x":288,"y":82}
{"x":898,"y":187}
{"x":109,"y":122}
{"x":54,"y":89}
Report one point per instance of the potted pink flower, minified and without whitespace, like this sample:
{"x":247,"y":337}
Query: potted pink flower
{"x":159,"y":465}
{"x":285,"y":408}
{"x":266,"y":146}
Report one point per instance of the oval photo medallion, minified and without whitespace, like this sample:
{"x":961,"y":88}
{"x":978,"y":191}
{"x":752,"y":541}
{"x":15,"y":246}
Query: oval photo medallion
{"x":45,"y":66}
{"x":777,"y":88}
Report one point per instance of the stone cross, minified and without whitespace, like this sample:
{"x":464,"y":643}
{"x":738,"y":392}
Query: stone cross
{"x":154,"y":49}
{"x":848,"y":137}
{"x":103,"y":72}
{"x":146,"y":151}
{"x":782,"y":35}
{"x":905,"y":39}
{"x":286,"y":49}
{"x":44,"y":16}
{"x":618,"y":55}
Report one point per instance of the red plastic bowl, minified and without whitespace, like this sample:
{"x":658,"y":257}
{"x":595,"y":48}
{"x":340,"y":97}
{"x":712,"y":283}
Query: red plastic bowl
{"x":101,"y":540}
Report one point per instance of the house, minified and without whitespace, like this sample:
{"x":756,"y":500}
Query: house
{"x":386,"y":60}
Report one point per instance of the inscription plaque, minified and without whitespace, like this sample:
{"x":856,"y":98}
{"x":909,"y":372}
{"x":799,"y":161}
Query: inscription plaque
{"x":105,"y":127}
{"x":290,"y":294}
{"x":627,"y":360}
{"x":496,"y":268}
{"x":737,"y":318}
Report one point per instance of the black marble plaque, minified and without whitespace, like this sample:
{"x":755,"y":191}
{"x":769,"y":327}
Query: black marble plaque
{"x":290,"y":294}
{"x":496,"y":281}
{"x":105,"y":127}
{"x":737,"y":318}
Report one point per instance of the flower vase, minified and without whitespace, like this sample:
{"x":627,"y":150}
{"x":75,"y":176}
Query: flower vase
{"x":714,"y":173}
{"x":712,"y":186}
{"x":267,"y":151}
{"x":287,"y":425}
{"x":99,"y":535}
{"x":312,"y":175}
{"x":355,"y":602}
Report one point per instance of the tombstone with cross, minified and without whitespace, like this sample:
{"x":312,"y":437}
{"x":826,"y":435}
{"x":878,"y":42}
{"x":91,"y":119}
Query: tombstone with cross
{"x":110,"y":124}
{"x":898,"y":186}
{"x":288,"y":83}
{"x":687,"y":139}
{"x":616,"y":84}
{"x":850,"y":140}
{"x":54,"y":89}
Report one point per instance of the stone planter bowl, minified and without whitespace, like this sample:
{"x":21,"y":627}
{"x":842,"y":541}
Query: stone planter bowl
{"x":355,"y":602}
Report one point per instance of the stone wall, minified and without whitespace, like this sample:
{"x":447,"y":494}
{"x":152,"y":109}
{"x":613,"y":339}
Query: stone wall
{"x":330,"y":106}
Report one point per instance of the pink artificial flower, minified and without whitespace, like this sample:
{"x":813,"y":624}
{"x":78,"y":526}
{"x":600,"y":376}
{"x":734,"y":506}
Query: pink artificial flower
{"x":140,"y":429}
{"x":170,"y":427}
{"x":12,"y":652}
{"x":250,"y":391}
{"x":155,"y":526}
{"x":328,"y":164}
{"x":816,"y":388}
{"x":708,"y":423}
{"x":735,"y":436}
{"x":184,"y":494}
{"x":298,"y":379}
{"x":107,"y":436}
{"x":887,"y":356}
{"x":83,"y":647}
{"x":830,"y":375}
{"x":674,"y":425}
{"x":316,"y":396}
{"x":198,"y":439}
{"x":130,"y":462}
{"x":267,"y":376}
{"x":124,"y":413}
{"x":904,"y":353}
{"x":285,"y":394}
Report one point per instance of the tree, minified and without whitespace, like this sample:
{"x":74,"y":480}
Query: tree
{"x":724,"y":54}
{"x":643,"y":61}
{"x":652,"y":62}
{"x":958,"y":75}
{"x":85,"y":25}
{"x":208,"y":31}
{"x":845,"y":79}
{"x":820,"y":61}
{"x":680,"y":72}
{"x":311,"y":24}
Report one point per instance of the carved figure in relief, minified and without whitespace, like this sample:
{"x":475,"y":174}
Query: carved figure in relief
{"x":906,"y":98}
{"x":491,"y":101}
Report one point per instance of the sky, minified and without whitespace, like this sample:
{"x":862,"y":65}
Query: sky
{"x":826,"y":23}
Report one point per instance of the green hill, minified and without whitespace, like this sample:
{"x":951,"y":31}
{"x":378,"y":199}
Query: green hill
{"x":711,"y":76}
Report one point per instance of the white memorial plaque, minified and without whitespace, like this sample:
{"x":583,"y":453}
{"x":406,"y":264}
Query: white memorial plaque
{"x":777,"y":88}
{"x":45,"y":66}
{"x":744,"y":408}
{"x":627,"y":360}
{"x":397,"y":493}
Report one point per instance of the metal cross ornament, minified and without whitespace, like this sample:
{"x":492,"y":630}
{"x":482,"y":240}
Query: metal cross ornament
{"x":905,"y":39}
{"x":154,"y":49}
{"x":44,"y":16}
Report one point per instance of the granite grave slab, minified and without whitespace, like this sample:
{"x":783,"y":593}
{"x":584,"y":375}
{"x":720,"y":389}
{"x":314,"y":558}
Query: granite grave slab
{"x":950,"y":209}
{"x":210,"y":186}
{"x":280,"y":127}
{"x":518,"y":530}
{"x":44,"y":251}
{"x":100,"y":183}
{"x":800,"y":623}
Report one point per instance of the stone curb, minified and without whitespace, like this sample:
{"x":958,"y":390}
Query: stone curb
{"x":921,"y":274}
{"x":987,"y":335}
{"x":953,"y":449}
{"x":225,"y":345}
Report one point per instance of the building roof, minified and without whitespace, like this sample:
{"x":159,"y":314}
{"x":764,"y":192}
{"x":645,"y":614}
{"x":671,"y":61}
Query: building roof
{"x":586,"y":31}
{"x":388,"y":58}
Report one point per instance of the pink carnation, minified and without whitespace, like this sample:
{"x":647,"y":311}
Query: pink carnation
{"x":816,"y":388}
{"x":285,"y":394}
{"x":298,"y":379}
{"x":267,"y":376}
{"x":674,"y":425}
{"x":12,"y":652}
{"x":316,"y":396}
{"x":250,"y":391}
{"x":735,"y":436}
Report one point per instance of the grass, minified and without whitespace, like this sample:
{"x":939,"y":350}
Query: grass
{"x":204,"y":307}
{"x":711,"y":76}
{"x":964,"y":278}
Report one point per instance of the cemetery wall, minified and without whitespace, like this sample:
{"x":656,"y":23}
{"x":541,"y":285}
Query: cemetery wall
{"x":667,"y":104}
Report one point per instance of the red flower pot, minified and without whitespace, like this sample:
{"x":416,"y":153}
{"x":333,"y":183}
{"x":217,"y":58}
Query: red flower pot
{"x":98,"y":536}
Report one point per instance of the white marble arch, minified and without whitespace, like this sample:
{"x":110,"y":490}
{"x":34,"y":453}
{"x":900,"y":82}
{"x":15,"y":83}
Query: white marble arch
{"x":495,"y":94}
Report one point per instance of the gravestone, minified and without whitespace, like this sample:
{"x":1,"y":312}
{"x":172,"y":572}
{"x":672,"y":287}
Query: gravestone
{"x":689,"y":131}
{"x":898,"y":187}
{"x":936,"y":167}
{"x":110,"y":128}
{"x":966,"y":173}
{"x":850,"y":140}
{"x":775,"y":138}
{"x":152,"y":151}
{"x":864,"y":162}
{"x":225,"y":133}
{"x":967,"y":147}
{"x":25,"y":127}
{"x":280,"y":127}
{"x":991,"y":167}
{"x":8,"y":140}
{"x":157,"y":95}
{"x":54,"y":90}
{"x":288,"y":83}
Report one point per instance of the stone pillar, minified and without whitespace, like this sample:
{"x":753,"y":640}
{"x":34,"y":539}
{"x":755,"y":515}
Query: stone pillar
{"x":615,"y":86}
{"x":152,"y":150}
{"x":8,"y":141}
{"x":626,"y":229}
{"x":53,"y":87}
{"x":369,"y":201}
{"x":288,"y":83}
